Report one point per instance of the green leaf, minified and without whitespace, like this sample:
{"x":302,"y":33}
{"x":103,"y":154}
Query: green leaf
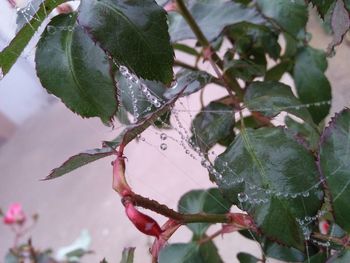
{"x":212,"y":17}
{"x":135,"y":34}
{"x":248,"y":37}
{"x":214,"y":123}
{"x":307,"y":132}
{"x":311,"y":83}
{"x":276,"y":72}
{"x":186,"y":49}
{"x":206,"y":201}
{"x":188,"y":82}
{"x":274,"y":179}
{"x":79,"y":160}
{"x":244,"y":69}
{"x":10,"y":54}
{"x":270,"y":98}
{"x":247,"y":258}
{"x":277,"y":251}
{"x":190,"y":253}
{"x":272,"y":249}
{"x":334,"y":159}
{"x":322,"y":6}
{"x":128,"y":255}
{"x":291,"y":16}
{"x":70,"y":66}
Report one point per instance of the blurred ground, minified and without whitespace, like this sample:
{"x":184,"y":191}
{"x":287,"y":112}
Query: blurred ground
{"x":84,"y":199}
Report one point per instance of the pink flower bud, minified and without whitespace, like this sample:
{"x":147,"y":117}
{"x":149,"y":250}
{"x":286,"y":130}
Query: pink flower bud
{"x":142,"y":222}
{"x":119,"y":181}
{"x":14,"y":215}
{"x":242,"y":221}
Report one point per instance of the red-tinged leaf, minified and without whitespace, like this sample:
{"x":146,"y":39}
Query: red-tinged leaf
{"x":340,"y":23}
{"x":79,"y":160}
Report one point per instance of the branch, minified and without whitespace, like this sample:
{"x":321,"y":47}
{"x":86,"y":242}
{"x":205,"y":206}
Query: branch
{"x":230,"y":82}
{"x":162,"y":209}
{"x":339,"y":241}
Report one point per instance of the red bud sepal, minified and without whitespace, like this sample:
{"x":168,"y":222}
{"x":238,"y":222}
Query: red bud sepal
{"x":142,"y":222}
{"x":120,"y":184}
{"x":168,"y":229}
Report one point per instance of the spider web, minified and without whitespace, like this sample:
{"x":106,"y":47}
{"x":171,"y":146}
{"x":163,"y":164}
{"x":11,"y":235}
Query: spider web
{"x":177,"y":131}
{"x":181,"y":116}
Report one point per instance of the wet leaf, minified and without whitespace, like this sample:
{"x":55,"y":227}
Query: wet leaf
{"x":271,"y":98}
{"x":188,"y":81}
{"x":259,"y":173}
{"x":70,"y":66}
{"x":311,"y":83}
{"x":135,"y":34}
{"x":214,"y":123}
{"x":334,"y":162}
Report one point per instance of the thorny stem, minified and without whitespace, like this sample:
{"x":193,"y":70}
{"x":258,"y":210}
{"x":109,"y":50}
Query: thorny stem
{"x":231,"y":83}
{"x":162,"y":209}
{"x":339,"y":241}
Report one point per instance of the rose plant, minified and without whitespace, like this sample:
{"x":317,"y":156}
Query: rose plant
{"x":291,"y":181}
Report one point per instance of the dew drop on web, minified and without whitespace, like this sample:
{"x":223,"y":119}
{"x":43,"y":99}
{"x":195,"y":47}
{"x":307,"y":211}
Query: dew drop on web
{"x":163,"y":146}
{"x":163,"y":136}
{"x":51,"y":29}
{"x":242,"y":197}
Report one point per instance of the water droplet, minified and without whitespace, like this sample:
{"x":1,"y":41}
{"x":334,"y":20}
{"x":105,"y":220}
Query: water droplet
{"x":123,"y":69}
{"x":205,"y":163}
{"x":127,"y":75}
{"x":187,"y":152}
{"x":134,"y":79}
{"x":174,"y":85}
{"x":51,"y":29}
{"x":1,"y":74}
{"x":158,"y":104}
{"x":242,"y":197}
{"x":163,"y":136}
{"x":163,"y":146}
{"x":70,"y":28}
{"x":306,"y":194}
{"x":138,"y":136}
{"x":294,"y":196}
{"x":144,"y":88}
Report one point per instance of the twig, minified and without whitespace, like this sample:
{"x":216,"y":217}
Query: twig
{"x":162,"y":209}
